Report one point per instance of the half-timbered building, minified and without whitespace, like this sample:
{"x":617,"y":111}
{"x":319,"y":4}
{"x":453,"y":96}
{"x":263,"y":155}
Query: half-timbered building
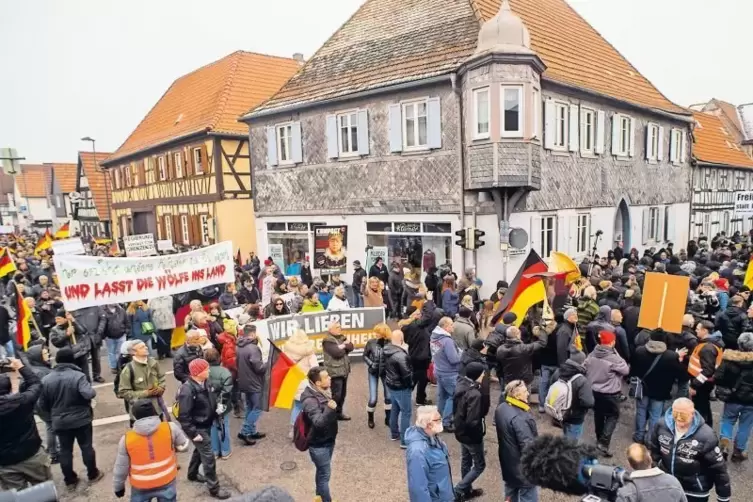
{"x":94,"y":197}
{"x":62,"y":184}
{"x":184,"y":173}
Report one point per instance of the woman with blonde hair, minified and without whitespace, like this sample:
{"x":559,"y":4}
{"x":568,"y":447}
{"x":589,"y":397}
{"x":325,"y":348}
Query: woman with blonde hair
{"x":373,"y":356}
{"x":142,"y":325}
{"x":300,"y":349}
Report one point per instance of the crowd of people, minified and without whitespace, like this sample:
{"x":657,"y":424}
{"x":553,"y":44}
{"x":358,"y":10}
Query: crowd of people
{"x":591,"y":355}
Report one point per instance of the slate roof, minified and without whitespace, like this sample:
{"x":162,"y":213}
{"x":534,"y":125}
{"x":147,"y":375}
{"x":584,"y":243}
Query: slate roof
{"x":715,"y":144}
{"x":391,"y":41}
{"x":34,"y":180}
{"x":210,"y":99}
{"x":97,"y":181}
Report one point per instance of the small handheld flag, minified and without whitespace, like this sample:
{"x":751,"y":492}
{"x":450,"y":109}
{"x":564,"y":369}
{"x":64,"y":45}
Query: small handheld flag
{"x":282,"y":380}
{"x":63,"y":232}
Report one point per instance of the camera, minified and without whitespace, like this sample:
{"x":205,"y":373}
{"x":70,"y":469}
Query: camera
{"x":603,"y":482}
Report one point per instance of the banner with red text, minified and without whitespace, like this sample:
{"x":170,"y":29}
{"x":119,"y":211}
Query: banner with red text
{"x":87,"y":281}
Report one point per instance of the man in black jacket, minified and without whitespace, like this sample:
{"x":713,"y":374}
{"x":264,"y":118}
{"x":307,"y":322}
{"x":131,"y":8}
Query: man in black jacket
{"x":23,"y":461}
{"x":117,"y":329}
{"x":398,"y":378}
{"x":630,"y":312}
{"x":472,"y":403}
{"x":67,"y":332}
{"x":320,"y":412}
{"x":734,"y":386}
{"x":565,"y":336}
{"x":196,"y":413}
{"x":686,"y":447}
{"x":475,"y":354}
{"x":190,"y":350}
{"x":359,"y":275}
{"x":731,"y":322}
{"x":251,"y":372}
{"x":93,"y":319}
{"x":657,"y":369}
{"x":39,"y":362}
{"x":67,"y":396}
{"x":495,"y":339}
{"x":516,"y":358}
{"x":416,"y":333}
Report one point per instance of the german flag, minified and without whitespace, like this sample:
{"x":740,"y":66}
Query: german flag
{"x":23,"y":332}
{"x":7,"y":265}
{"x":44,"y":242}
{"x":749,"y":275}
{"x":238,"y":258}
{"x":525,"y":291}
{"x":64,"y":231}
{"x":283,"y":378}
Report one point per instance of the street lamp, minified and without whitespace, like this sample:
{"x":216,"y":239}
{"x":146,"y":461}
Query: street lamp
{"x":107,"y":182}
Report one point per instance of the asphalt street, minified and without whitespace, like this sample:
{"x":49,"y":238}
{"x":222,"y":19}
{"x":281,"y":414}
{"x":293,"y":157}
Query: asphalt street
{"x":367,"y":466}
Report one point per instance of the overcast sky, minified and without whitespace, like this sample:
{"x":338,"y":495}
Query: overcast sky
{"x":95,"y":67}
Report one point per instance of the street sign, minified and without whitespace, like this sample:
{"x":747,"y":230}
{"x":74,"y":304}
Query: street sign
{"x":518,"y":238}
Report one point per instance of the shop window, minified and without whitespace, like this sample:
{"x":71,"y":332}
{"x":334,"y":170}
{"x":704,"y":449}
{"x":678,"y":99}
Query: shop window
{"x":414,"y":251}
{"x":379,"y":226}
{"x":276,"y":227}
{"x":438,"y":228}
{"x":294,"y":247}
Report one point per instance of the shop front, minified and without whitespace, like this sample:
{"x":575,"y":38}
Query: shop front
{"x":289,"y":244}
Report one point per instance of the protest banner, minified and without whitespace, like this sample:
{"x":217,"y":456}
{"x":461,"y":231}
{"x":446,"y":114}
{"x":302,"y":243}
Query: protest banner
{"x":289,"y":299}
{"x":357,"y":326}
{"x":374,"y":253}
{"x":743,"y":203}
{"x":68,"y":246}
{"x":139,"y":245}
{"x":663,"y":303}
{"x":277,"y":255}
{"x":165,"y":245}
{"x":87,"y":281}
{"x":330,"y":249}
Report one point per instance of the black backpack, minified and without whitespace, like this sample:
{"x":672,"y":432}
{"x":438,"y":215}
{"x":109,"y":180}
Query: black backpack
{"x":301,"y":431}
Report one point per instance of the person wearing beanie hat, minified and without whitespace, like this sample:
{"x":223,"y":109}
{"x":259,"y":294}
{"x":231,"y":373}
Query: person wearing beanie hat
{"x":605,"y":370}
{"x":149,"y":441}
{"x":496,"y":338}
{"x":465,"y":332}
{"x":574,"y":372}
{"x":476,"y":353}
{"x":67,"y":332}
{"x":471,"y":405}
{"x":66,"y":398}
{"x":197,"y":411}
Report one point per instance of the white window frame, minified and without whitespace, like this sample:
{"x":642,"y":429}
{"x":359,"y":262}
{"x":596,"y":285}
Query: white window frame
{"x":284,"y":155}
{"x":178,"y":160}
{"x":168,"y":219}
{"x":521,"y":112}
{"x":204,"y":224}
{"x":128,"y":180}
{"x":416,"y":129}
{"x":625,"y":139}
{"x":653,"y":222}
{"x":162,"y":167}
{"x":652,"y":133}
{"x":198,"y":167}
{"x":676,"y":146}
{"x":544,"y":248}
{"x":582,"y":237}
{"x":587,"y":130}
{"x":561,"y":127}
{"x":352,"y":127}
{"x":185,"y":229}
{"x":536,"y":114}
{"x":477,"y":134}
{"x":116,"y":177}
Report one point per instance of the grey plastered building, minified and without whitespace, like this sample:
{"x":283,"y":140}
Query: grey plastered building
{"x":415,"y":120}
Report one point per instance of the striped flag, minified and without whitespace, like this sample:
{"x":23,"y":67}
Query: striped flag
{"x":526,"y":289}
{"x":23,"y":332}
{"x":64,"y":231}
{"x":749,"y":275}
{"x":282,"y":380}
{"x":45,"y":242}
{"x":7,"y":265}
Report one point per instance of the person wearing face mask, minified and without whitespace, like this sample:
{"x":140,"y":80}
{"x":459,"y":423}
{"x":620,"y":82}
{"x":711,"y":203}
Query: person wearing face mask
{"x":428,"y":459}
{"x":685,"y":446}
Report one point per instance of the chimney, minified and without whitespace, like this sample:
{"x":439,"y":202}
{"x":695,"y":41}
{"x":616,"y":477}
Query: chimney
{"x":299,"y":57}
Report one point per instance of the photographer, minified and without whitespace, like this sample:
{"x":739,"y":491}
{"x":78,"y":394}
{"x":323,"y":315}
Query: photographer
{"x":22,"y":459}
{"x":648,"y":484}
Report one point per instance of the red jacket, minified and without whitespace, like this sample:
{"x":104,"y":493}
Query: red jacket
{"x":228,"y":357}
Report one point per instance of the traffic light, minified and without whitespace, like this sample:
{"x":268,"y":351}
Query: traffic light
{"x":462,"y":241}
{"x":477,"y":234}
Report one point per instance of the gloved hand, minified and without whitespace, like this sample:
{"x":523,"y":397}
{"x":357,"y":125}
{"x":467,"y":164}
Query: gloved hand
{"x":120,"y":493}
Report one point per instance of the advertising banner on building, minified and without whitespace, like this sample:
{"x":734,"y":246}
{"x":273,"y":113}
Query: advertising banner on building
{"x":357,"y":325}
{"x":139,"y":245}
{"x":744,"y":203}
{"x":330,"y":249}
{"x":87,"y":281}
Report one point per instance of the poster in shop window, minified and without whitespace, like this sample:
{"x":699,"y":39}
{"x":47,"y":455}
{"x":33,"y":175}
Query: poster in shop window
{"x":330,"y":249}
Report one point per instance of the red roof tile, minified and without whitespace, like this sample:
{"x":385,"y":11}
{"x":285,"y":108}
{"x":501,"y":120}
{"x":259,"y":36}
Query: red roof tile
{"x":715,"y":144}
{"x":65,"y":174}
{"x":97,"y":181}
{"x":34,"y":181}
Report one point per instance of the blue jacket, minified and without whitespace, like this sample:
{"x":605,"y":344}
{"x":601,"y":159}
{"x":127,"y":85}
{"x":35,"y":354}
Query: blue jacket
{"x":429,"y":476}
{"x":450,"y":300}
{"x":444,"y":352}
{"x":136,"y":319}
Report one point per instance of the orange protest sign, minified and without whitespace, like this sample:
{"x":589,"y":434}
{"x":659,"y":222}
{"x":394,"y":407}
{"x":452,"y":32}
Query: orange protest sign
{"x":663,"y":303}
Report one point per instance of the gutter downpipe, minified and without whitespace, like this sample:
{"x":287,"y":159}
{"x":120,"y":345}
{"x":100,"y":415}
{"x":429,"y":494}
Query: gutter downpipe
{"x":461,"y":157}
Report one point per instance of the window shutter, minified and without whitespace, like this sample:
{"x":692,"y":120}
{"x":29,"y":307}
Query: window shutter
{"x":536,"y":234}
{"x":574,"y":125}
{"x":670,"y":223}
{"x":142,"y":173}
{"x":171,"y":167}
{"x":660,"y":225}
{"x":683,"y":146}
{"x":177,"y":229}
{"x":616,"y":134}
{"x":572,"y":235}
{"x":161,"y":228}
{"x":195,"y":222}
{"x":600,"y":121}
{"x":660,"y":150}
{"x":396,"y":128}
{"x":207,"y":162}
{"x":645,"y":224}
{"x":632,"y":137}
{"x":296,"y":145}
{"x":271,"y":147}
{"x":363,"y":132}
{"x":332,"y":148}
{"x":648,"y":142}
{"x":434,"y":124}
{"x":549,"y":126}
{"x":188,"y":167}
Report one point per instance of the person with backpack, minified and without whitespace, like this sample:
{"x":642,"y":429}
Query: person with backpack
{"x":221,"y":384}
{"x":734,"y":386}
{"x":142,"y":378}
{"x":472,"y":403}
{"x":316,"y":427}
{"x":570,"y":396}
{"x":654,"y":370}
{"x":705,"y":359}
{"x":116,"y":331}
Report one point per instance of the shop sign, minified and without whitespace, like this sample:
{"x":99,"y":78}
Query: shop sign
{"x":298,"y":227}
{"x":414,"y":228}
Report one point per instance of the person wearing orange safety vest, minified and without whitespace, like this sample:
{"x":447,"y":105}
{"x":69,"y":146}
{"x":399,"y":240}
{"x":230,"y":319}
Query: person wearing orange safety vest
{"x":146,"y":456}
{"x":706,"y":357}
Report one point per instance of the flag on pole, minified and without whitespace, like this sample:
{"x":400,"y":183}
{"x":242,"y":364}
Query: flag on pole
{"x":238,"y":258}
{"x":282,"y":380}
{"x":44,"y":242}
{"x":749,"y":275}
{"x":563,"y":264}
{"x":525,"y":291}
{"x":7,"y":265}
{"x":23,"y":331}
{"x":64,"y":231}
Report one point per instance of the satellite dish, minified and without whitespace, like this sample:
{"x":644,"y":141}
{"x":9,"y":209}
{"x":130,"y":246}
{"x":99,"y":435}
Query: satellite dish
{"x":518,"y":238}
